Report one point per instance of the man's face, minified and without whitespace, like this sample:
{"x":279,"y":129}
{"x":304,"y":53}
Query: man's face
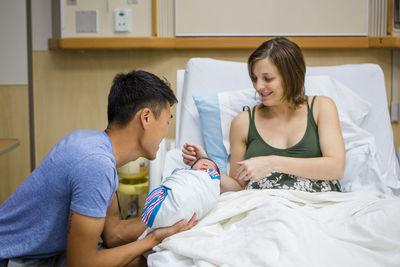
{"x":157,"y":131}
{"x":204,"y":164}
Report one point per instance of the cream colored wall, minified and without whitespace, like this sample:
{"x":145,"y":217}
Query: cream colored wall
{"x":270,"y":17}
{"x":71,"y":87}
{"x":15,"y":164}
{"x":141,"y":17}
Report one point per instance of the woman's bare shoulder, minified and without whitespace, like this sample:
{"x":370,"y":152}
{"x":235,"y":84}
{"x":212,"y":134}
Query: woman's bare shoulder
{"x":242,"y":117}
{"x":322,"y":103}
{"x":324,"y":107}
{"x":325,"y":103}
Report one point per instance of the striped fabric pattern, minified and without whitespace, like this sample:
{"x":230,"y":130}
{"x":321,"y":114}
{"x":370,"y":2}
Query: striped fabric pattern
{"x":153,"y":203}
{"x":213,"y":174}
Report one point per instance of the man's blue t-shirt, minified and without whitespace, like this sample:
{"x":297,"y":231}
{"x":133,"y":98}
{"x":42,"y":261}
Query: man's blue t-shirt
{"x":78,"y":174}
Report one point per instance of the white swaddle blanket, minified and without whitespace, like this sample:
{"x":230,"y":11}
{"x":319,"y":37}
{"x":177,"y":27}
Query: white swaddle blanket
{"x":184,"y":192}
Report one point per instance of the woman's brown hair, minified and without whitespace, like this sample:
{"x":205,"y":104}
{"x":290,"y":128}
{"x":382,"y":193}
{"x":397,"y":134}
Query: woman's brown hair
{"x":288,"y":58}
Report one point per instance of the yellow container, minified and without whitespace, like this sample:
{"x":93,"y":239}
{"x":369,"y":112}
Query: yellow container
{"x":135,"y":169}
{"x":134,"y":177}
{"x":134,"y":186}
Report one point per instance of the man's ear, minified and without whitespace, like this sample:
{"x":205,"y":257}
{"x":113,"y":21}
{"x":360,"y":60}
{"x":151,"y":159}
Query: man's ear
{"x":145,"y":117}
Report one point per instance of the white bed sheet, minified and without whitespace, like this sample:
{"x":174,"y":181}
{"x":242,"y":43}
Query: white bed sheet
{"x":289,"y":228}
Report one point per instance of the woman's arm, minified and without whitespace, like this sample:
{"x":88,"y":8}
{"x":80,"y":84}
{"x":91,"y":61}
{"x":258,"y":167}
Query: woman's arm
{"x":238,"y":140}
{"x":328,"y":167}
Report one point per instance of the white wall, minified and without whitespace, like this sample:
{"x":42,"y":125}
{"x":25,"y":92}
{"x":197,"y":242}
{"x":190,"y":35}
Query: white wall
{"x":41,"y":24}
{"x":13,"y":44}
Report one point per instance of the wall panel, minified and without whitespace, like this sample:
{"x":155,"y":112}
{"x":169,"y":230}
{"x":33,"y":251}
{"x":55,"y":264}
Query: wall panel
{"x":270,"y":17}
{"x":15,"y":164}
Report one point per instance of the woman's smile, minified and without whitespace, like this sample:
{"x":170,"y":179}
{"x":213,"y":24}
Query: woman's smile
{"x":265,"y":94}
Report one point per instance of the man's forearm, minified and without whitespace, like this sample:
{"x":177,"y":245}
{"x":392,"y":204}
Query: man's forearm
{"x":125,"y":231}
{"x":125,"y":253}
{"x":83,"y":236}
{"x":118,"y":256}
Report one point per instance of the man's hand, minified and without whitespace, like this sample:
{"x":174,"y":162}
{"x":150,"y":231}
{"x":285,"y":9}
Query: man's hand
{"x":161,"y":233}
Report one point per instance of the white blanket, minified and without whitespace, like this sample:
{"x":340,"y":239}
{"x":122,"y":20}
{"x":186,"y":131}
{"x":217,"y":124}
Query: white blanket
{"x":289,"y":228}
{"x":188,"y":191}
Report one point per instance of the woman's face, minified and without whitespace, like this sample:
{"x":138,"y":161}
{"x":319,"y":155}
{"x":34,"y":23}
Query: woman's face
{"x":268,"y":82}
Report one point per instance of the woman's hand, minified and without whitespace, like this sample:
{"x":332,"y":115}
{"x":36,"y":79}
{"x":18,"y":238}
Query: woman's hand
{"x":161,"y":233}
{"x":253,"y":168}
{"x":191,"y":152}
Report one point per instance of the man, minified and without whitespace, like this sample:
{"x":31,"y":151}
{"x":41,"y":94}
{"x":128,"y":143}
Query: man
{"x":68,"y":202}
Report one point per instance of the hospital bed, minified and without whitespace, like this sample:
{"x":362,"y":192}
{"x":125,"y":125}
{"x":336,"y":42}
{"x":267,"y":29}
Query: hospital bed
{"x":359,"y":228}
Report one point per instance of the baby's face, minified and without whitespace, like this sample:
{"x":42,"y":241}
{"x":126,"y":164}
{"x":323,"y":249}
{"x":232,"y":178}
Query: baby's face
{"x":204,"y":164}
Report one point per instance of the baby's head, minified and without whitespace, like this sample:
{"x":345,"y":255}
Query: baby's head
{"x":205,"y":164}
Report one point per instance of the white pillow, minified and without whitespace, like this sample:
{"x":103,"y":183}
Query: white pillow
{"x":348,"y":103}
{"x":216,"y":112}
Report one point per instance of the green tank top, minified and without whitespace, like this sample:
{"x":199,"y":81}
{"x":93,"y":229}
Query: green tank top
{"x":307,"y":147}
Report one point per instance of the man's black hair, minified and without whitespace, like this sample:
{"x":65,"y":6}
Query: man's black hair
{"x":135,"y":90}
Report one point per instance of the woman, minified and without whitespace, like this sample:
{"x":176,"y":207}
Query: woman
{"x":288,"y":136}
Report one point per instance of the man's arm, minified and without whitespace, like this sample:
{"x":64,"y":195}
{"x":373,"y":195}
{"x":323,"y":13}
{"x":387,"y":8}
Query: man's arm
{"x":84,"y":232}
{"x":82,"y":239}
{"x":118,"y":232}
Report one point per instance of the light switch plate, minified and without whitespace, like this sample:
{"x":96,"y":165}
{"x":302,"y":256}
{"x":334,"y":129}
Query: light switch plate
{"x":86,"y":21}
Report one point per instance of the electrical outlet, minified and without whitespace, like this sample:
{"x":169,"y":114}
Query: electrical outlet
{"x":122,"y":20}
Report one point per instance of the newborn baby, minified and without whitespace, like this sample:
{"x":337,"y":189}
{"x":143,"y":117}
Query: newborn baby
{"x":184,"y":192}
